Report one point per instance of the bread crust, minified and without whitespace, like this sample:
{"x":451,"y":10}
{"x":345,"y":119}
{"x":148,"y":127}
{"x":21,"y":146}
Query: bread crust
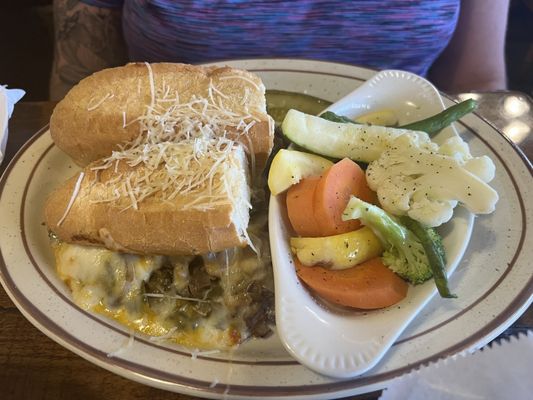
{"x":88,"y":124}
{"x":157,"y":227}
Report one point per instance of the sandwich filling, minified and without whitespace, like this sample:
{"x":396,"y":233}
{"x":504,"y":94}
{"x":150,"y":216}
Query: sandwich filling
{"x":214,"y":300}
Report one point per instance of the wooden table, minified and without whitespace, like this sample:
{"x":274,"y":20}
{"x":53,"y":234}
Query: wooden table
{"x":32,"y":366}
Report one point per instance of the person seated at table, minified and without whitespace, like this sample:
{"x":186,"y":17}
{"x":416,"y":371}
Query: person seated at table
{"x":457,"y":44}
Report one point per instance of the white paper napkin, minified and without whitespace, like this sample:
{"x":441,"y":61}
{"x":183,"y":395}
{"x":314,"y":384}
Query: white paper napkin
{"x":502,"y":371}
{"x":8,"y":98}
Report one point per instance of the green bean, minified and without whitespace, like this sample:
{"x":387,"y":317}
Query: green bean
{"x":331,"y":116}
{"x":438,"y":122}
{"x":431,"y":125}
{"x":432,"y":243}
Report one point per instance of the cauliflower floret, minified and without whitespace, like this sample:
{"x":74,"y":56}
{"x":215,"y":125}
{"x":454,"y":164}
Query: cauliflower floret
{"x":457,"y":148}
{"x":424,"y":209}
{"x":482,"y":167}
{"x":417,"y":178}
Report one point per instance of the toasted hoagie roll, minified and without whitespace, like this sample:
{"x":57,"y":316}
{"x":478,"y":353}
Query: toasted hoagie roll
{"x":183,"y":206}
{"x":113,"y":106}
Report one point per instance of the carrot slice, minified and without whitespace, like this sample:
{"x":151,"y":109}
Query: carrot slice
{"x":300,"y":198}
{"x":333,"y":191}
{"x":368,"y":285}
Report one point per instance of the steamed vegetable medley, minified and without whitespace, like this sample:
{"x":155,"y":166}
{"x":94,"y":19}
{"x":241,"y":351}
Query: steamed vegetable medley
{"x":364,"y":199}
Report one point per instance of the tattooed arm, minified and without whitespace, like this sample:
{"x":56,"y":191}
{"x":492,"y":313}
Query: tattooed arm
{"x":87,"y":39}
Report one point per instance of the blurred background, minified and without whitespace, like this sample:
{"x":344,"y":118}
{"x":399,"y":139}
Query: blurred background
{"x":26,"y":46}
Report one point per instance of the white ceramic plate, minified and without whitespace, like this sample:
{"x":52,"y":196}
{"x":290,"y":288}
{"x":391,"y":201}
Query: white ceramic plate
{"x":336,"y":342}
{"x":494,"y":280}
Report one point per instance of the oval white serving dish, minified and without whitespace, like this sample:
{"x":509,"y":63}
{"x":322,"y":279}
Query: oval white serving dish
{"x":343,"y":343}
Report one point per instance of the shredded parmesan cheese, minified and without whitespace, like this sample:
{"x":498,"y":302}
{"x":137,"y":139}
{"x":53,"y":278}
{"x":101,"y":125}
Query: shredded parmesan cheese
{"x":165,"y":337}
{"x":159,"y":295}
{"x":207,"y":352}
{"x":152,"y":85}
{"x":249,"y":241}
{"x":99,"y":103}
{"x":243,"y":78}
{"x":214,"y":88}
{"x":124,"y":347}
{"x":72,"y":198}
{"x":196,"y":352}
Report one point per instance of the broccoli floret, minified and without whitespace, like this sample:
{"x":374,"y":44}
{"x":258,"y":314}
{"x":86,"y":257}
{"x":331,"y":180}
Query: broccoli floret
{"x":415,"y":273}
{"x":405,"y":254}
